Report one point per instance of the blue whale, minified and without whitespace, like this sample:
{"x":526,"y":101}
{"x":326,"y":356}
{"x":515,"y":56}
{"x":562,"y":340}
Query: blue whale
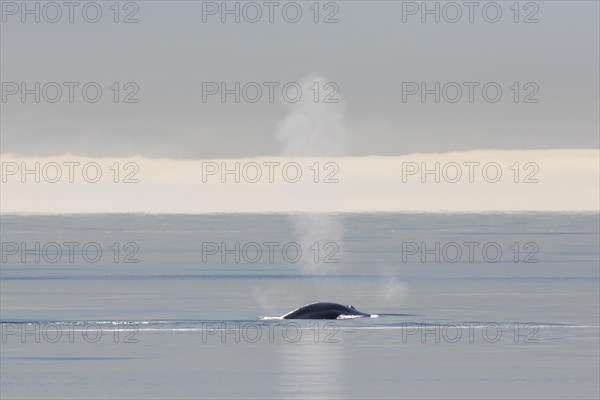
{"x":324,"y":311}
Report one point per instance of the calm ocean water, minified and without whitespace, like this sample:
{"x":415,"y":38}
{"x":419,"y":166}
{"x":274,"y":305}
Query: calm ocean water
{"x":167,"y":306}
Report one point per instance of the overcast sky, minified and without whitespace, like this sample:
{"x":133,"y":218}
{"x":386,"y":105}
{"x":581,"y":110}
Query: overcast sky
{"x":369,"y":53}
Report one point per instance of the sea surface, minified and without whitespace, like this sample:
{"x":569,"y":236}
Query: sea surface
{"x":168,"y":306}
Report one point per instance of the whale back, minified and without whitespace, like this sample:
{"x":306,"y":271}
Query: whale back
{"x":322,"y":311}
